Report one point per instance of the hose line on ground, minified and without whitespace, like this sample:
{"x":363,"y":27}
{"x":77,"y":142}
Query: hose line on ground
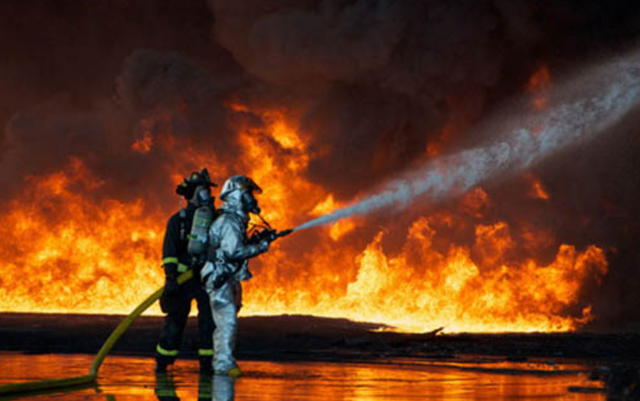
{"x":54,"y":384}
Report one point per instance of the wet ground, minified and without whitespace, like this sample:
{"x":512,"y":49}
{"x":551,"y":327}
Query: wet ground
{"x":469,"y":378}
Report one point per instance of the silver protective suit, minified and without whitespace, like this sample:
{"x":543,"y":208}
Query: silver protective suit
{"x":229,"y":233}
{"x":223,"y":388}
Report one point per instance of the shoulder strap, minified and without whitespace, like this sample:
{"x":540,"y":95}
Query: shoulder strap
{"x":183,"y":224}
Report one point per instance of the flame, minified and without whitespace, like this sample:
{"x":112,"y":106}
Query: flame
{"x":434,"y":147}
{"x":538,"y":85}
{"x":475,"y":202}
{"x":98,"y":257}
{"x":68,"y":250}
{"x":422,"y":288}
{"x":536,"y":190}
{"x":340,"y":228}
{"x":143,"y":145}
{"x":325,"y":207}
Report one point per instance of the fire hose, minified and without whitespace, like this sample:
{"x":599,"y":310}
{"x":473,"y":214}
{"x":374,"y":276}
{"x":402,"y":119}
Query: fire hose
{"x":57,"y":384}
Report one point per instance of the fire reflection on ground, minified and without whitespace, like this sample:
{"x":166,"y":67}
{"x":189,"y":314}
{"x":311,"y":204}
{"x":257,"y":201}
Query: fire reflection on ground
{"x":132,"y":378}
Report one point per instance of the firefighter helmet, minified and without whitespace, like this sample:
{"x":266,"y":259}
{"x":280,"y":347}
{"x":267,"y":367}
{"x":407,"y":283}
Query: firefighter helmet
{"x":239,"y":182}
{"x":194,"y":180}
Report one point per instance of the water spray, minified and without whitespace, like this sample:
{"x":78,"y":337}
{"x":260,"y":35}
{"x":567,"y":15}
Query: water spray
{"x":605,"y":94}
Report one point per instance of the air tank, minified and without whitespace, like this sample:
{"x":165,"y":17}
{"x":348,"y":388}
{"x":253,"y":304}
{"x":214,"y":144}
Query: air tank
{"x":199,"y":236}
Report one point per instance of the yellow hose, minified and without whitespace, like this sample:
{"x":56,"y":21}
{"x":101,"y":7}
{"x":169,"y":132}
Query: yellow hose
{"x":54,"y":384}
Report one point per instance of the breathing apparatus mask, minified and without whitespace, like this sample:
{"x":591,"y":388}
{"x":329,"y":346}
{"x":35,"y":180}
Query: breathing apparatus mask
{"x":242,"y":189}
{"x":249,"y":203}
{"x":203,"y":197}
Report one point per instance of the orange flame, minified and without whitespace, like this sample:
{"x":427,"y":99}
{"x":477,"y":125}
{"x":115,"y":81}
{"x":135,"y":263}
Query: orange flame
{"x":66,"y":252}
{"x":98,"y":257}
{"x":434,"y":146}
{"x":538,"y":85}
{"x":536,"y":190}
{"x":421,"y":288}
{"x":339,"y":228}
{"x":144,"y":144}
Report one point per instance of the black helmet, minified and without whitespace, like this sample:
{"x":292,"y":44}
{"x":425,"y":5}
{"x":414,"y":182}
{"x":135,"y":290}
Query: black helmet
{"x":194,"y":180}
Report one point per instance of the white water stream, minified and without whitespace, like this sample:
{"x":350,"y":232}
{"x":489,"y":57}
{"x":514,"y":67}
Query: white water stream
{"x":583,"y":107}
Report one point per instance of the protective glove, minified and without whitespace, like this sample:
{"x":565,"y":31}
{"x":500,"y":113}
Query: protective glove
{"x":263,"y":246}
{"x":171,"y":286}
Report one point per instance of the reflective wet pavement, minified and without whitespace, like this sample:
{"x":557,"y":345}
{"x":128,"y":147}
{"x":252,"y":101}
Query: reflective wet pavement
{"x":132,"y":378}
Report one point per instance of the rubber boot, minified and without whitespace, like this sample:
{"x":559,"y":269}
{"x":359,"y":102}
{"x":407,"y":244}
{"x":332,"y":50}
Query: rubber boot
{"x":206,"y":364}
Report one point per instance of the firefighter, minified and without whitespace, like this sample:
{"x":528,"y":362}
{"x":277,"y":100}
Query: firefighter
{"x":228,"y":266}
{"x":176,"y":299}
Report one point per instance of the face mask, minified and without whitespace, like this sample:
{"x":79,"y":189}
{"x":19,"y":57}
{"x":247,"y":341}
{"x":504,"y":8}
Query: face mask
{"x":250,"y":204}
{"x":204,"y":196}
